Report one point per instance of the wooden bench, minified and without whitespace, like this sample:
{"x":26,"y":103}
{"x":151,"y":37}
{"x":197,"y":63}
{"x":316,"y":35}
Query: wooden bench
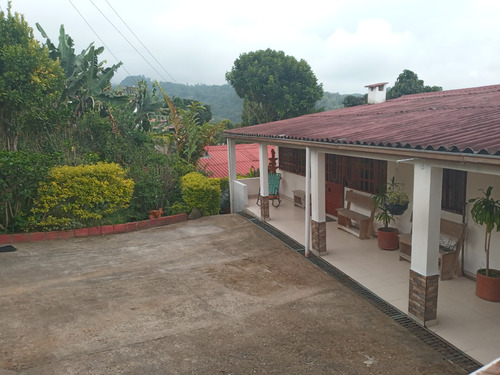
{"x":354,"y":222}
{"x":299,"y":198}
{"x":451,"y":242}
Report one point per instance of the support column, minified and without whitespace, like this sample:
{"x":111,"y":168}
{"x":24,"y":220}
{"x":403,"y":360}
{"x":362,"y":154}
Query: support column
{"x":318,"y":213}
{"x":264,"y":182}
{"x":307,"y":212}
{"x":424,"y":273}
{"x":231,"y":159}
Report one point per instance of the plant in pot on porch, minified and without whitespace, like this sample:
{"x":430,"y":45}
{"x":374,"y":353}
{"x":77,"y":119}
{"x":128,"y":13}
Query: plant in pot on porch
{"x":486,"y":211}
{"x":391,"y":201}
{"x":396,"y":199}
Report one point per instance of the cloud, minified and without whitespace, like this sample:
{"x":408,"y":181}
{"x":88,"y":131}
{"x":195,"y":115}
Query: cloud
{"x":348,"y":44}
{"x":372,"y":53}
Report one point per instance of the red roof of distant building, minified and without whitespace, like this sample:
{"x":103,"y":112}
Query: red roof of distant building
{"x":377,"y":84}
{"x":247,"y":156}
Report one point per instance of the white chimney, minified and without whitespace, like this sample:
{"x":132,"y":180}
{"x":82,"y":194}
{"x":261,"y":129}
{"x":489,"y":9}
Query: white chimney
{"x":376,"y":92}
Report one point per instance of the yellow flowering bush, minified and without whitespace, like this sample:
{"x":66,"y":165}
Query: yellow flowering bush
{"x":81,"y":196}
{"x":201,"y":192}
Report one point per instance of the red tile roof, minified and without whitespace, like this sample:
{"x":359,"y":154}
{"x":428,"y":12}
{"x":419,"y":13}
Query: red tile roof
{"x":465,"y":120}
{"x":377,"y":84}
{"x":247,"y":155}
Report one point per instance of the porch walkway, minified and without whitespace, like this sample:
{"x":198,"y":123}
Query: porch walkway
{"x":464,"y":320}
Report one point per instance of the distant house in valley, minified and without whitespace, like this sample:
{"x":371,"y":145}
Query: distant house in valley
{"x":215,"y":160}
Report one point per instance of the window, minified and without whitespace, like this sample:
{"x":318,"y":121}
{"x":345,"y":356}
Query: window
{"x":356,"y":173}
{"x":454,"y":189}
{"x":292,"y":160}
{"x":365,"y":174}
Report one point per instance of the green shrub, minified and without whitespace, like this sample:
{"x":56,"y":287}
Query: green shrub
{"x":201,"y":192}
{"x":79,"y":196}
{"x":224,"y":194}
{"x":20,"y":174}
{"x":178,"y":208}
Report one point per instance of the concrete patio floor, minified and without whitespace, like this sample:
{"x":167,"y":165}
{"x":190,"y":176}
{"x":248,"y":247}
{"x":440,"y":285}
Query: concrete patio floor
{"x":217,"y":295}
{"x":464,"y":320}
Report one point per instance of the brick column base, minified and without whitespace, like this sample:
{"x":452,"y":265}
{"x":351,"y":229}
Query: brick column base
{"x":422,"y":301}
{"x":318,"y":232}
{"x":264,"y":208}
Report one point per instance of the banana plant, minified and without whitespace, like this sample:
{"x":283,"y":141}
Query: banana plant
{"x":87,"y":80}
{"x":190,"y":137}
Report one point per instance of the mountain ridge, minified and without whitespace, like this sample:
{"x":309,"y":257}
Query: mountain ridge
{"x":222,"y":99}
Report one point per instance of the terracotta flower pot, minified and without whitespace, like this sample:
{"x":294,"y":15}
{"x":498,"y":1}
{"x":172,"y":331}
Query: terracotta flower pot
{"x":153,"y":214}
{"x":388,"y":238}
{"x":488,"y":288}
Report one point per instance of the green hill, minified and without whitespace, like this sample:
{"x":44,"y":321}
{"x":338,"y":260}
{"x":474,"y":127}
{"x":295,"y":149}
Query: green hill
{"x":222,"y":99}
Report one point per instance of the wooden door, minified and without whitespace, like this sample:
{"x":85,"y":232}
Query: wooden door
{"x":334,"y":190}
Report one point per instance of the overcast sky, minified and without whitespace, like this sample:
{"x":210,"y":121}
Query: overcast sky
{"x":347,"y":43}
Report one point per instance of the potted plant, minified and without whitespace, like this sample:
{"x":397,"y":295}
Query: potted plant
{"x":486,"y":211}
{"x":396,"y":199}
{"x":391,"y":201}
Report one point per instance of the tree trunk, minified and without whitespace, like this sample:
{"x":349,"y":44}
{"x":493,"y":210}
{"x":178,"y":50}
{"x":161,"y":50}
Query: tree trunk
{"x":487,"y":242}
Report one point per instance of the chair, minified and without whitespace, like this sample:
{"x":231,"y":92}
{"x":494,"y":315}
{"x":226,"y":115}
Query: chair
{"x":274,"y":189}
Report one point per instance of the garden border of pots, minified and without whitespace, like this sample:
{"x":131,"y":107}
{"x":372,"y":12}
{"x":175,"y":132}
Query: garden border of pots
{"x":6,"y":239}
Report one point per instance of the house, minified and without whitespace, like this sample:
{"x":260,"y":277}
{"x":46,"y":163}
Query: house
{"x":443,"y":146}
{"x":215,"y":159}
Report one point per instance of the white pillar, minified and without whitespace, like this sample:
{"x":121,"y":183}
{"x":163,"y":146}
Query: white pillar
{"x":308,"y":202}
{"x":426,"y":219}
{"x":263,"y":164}
{"x":318,"y":186}
{"x":231,"y":161}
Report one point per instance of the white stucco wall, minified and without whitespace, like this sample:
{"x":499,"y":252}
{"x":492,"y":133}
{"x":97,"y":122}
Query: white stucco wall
{"x":290,"y":182}
{"x":240,"y":191}
{"x":474,"y":247}
{"x":403,"y":173}
{"x":474,"y":257}
{"x":376,"y":96}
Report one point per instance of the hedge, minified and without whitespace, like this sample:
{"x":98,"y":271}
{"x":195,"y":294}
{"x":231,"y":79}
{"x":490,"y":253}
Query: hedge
{"x":201,"y":192}
{"x":80,"y":196}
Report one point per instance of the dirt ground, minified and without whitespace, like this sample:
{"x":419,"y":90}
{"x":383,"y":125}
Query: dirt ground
{"x":215,"y":295}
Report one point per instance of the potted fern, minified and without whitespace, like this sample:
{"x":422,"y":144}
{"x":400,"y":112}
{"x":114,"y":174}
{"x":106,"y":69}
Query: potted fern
{"x":486,"y":211}
{"x":391,"y":201}
{"x":396,"y":199}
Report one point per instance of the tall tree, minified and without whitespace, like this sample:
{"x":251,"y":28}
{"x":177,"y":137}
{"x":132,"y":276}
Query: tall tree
{"x":273,"y":86}
{"x":353,"y":100}
{"x":408,"y":83}
{"x":30,"y":82}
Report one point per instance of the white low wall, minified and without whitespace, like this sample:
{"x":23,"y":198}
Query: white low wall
{"x":252,"y":185}
{"x":240,"y":199}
